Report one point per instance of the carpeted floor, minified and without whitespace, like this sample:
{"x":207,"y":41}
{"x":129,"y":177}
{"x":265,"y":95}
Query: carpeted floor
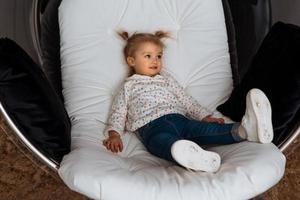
{"x":289,"y":186}
{"x":22,"y":179}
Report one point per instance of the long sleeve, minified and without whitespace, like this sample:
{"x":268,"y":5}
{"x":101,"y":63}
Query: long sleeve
{"x":118,"y":113}
{"x":193,"y":108}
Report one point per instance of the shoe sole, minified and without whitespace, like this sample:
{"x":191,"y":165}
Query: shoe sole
{"x":260,"y":105}
{"x":192,"y":156}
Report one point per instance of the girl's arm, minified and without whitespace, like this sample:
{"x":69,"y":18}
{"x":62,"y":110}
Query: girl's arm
{"x":116,"y":123}
{"x":118,"y":113}
{"x":194,"y":109}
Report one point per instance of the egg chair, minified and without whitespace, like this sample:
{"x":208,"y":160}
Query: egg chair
{"x":63,"y":133}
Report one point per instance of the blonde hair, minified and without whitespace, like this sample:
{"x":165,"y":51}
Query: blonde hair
{"x":135,"y":40}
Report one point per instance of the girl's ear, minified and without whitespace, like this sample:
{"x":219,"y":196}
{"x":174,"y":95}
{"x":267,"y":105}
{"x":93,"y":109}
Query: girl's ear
{"x":130,"y":61}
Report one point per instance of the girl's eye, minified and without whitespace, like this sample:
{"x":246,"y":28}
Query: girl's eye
{"x":159,"y":56}
{"x":147,"y":56}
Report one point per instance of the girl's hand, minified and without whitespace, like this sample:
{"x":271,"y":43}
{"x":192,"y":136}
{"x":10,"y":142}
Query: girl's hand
{"x":114,"y":142}
{"x":212,"y":119}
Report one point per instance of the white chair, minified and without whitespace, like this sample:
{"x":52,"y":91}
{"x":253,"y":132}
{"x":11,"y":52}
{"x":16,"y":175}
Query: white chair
{"x":198,"y":57}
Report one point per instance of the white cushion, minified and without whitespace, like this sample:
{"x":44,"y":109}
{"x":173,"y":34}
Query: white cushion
{"x":93,"y":69}
{"x":247,"y":170}
{"x":91,"y":52}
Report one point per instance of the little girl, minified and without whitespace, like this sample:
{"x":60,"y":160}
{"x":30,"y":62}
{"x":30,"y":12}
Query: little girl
{"x":170,"y":123}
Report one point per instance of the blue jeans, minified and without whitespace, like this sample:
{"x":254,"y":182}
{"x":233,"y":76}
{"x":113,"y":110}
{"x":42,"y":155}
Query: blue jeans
{"x":159,"y":135}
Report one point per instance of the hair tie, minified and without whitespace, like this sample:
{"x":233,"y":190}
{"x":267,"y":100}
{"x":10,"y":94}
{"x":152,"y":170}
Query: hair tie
{"x":123,"y":35}
{"x":161,"y":34}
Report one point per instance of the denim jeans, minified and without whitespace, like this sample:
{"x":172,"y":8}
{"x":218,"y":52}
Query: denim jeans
{"x":159,"y":135}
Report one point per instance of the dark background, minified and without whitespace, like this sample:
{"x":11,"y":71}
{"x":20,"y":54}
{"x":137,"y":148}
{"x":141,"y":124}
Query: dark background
{"x":15,"y":23}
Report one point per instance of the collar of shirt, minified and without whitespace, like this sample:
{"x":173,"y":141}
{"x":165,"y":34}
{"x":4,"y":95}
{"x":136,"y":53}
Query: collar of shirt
{"x":143,"y":77}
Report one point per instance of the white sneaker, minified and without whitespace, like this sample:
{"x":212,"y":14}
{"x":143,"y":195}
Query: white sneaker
{"x":257,"y":121}
{"x":192,"y":156}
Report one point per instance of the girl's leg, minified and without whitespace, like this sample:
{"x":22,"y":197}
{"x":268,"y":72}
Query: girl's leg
{"x":212,"y":133}
{"x":163,"y":138}
{"x":159,"y":136}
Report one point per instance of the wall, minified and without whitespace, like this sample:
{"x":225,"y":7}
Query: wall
{"x":286,"y":11}
{"x":15,"y":23}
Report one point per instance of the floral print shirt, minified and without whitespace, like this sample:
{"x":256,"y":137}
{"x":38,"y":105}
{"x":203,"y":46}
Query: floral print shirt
{"x":144,"y":98}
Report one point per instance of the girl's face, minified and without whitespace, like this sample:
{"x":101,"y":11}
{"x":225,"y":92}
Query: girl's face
{"x":147,"y":59}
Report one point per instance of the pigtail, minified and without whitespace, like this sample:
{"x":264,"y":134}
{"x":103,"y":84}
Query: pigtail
{"x":123,"y":35}
{"x":162,"y":34}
